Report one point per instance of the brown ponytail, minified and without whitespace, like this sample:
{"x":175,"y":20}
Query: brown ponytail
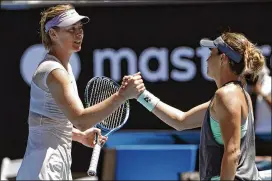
{"x":252,"y":56}
{"x":254,"y":61}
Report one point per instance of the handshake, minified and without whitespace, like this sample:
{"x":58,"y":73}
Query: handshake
{"x":133,"y":87}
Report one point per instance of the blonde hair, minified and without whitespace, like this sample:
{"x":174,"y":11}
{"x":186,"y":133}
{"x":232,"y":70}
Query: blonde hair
{"x":253,"y":60}
{"x":47,"y":15}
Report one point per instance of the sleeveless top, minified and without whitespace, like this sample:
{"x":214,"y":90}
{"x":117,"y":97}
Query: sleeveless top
{"x":48,"y":152}
{"x":211,"y":152}
{"x":216,"y":130}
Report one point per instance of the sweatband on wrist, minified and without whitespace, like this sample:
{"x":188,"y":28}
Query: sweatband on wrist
{"x":148,"y":100}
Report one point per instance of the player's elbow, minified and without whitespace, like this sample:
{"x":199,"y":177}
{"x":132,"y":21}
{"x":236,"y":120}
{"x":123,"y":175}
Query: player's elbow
{"x":179,"y":127}
{"x":237,"y":156}
{"x":183,"y":123}
{"x":80,"y":126}
{"x":179,"y":120}
{"x":77,"y":119}
{"x":234,"y":154}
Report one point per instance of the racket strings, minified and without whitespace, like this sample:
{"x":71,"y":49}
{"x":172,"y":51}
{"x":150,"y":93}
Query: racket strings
{"x":115,"y":114}
{"x":107,"y":92}
{"x":100,"y":90}
{"x":101,"y":94}
{"x":112,"y":120}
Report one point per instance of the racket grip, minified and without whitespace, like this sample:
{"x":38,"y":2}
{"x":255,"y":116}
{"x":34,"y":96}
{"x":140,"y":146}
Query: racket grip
{"x":94,"y":160}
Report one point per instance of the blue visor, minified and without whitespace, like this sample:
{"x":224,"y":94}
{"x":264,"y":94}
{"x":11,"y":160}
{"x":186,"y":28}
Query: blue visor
{"x":223,"y":47}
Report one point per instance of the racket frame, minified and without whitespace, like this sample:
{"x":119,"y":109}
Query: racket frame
{"x":97,"y":148}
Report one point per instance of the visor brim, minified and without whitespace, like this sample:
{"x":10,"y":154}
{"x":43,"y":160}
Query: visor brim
{"x":73,"y":20}
{"x":207,"y":43}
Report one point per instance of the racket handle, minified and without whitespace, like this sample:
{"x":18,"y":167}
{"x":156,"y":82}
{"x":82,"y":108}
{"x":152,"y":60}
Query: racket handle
{"x":94,"y":161}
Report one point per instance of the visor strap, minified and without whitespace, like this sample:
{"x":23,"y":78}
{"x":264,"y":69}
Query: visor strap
{"x":225,"y":48}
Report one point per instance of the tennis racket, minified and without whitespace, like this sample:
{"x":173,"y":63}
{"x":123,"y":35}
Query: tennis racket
{"x":97,"y":90}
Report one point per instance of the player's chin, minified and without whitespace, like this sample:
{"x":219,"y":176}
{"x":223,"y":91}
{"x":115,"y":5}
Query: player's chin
{"x":76,"y":48}
{"x":209,"y":74}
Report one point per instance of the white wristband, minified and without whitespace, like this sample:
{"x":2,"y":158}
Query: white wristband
{"x":148,"y":100}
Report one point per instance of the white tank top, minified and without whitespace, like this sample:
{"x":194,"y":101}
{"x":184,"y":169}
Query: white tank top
{"x":48,"y":153}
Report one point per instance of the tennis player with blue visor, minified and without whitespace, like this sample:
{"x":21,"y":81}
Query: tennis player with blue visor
{"x":227,"y":142}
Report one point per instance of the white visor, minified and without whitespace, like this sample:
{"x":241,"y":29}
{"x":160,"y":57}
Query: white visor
{"x":65,"y":19}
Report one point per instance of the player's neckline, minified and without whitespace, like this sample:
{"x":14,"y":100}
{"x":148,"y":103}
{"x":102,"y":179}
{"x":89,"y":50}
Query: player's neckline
{"x":233,"y":82}
{"x":57,"y":60}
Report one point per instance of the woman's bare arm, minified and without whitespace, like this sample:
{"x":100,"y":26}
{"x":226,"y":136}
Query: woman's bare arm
{"x":181,"y":120}
{"x":71,"y":105}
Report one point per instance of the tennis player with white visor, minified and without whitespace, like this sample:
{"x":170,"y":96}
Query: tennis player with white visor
{"x":56,"y":114}
{"x":227,"y":143}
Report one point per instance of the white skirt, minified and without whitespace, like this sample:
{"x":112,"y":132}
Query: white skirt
{"x":48,"y":164}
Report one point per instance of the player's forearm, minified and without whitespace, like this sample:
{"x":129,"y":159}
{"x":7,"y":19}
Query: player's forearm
{"x":229,"y":165}
{"x":166,"y":113}
{"x":173,"y":117}
{"x":170,"y":115}
{"x":96,"y":113}
{"x":76,"y":135}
